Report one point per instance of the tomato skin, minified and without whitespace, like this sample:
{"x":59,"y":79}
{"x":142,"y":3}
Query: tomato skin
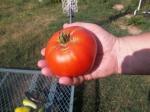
{"x":74,"y":58}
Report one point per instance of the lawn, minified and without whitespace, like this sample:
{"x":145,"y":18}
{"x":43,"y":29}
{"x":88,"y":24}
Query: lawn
{"x":25,"y":27}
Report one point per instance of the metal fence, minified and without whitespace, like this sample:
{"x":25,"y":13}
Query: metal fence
{"x":16,"y":84}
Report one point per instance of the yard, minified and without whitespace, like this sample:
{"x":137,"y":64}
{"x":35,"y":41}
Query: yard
{"x":25,"y":27}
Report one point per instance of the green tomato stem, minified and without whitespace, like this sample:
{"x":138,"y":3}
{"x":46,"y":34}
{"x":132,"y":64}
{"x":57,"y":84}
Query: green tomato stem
{"x":64,"y":38}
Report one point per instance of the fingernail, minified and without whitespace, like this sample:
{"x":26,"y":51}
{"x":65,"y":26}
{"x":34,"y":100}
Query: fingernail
{"x":65,"y":81}
{"x":45,"y":71}
{"x":65,"y":25}
{"x":43,"y":52}
{"x":41,"y":63}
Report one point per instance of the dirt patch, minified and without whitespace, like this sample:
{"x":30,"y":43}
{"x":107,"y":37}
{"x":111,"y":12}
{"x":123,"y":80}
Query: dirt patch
{"x":128,"y":16}
{"x":122,"y":23}
{"x":44,"y":20}
{"x":2,"y":42}
{"x":34,"y":25}
{"x":134,"y":30}
{"x":118,"y":7}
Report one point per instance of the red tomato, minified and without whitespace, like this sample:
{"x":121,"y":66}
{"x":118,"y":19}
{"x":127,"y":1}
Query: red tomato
{"x":71,"y":52}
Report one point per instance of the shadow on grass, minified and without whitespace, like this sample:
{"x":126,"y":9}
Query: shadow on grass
{"x":149,"y":97}
{"x":78,"y":100}
{"x":97,"y":96}
{"x":114,"y":17}
{"x":86,"y":105}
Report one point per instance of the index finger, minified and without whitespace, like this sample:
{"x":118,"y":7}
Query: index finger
{"x":43,"y":52}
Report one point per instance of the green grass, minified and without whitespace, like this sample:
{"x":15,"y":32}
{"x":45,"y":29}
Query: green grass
{"x":129,"y":94}
{"x":140,"y":21}
{"x":25,"y":27}
{"x":115,"y":94}
{"x":24,"y":33}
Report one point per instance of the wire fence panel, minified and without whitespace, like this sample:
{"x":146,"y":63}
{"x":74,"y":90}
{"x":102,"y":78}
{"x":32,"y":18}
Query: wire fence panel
{"x":16,"y":85}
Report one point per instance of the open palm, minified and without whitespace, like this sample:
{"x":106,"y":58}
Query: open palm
{"x":106,"y":60}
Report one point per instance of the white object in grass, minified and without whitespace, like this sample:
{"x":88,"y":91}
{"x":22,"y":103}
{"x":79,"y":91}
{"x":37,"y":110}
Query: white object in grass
{"x":70,"y":7}
{"x":69,"y":4}
{"x":40,"y":1}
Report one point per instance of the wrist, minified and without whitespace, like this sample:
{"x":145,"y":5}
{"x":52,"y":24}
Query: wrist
{"x":115,"y":54}
{"x":133,"y":54}
{"x":124,"y":51}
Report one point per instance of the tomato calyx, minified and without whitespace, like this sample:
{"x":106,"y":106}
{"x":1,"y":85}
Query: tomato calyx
{"x":64,"y":38}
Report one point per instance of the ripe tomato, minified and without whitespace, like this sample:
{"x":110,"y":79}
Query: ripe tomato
{"x":71,"y":52}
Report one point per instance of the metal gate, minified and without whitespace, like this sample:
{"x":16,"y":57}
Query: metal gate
{"x":16,"y":84}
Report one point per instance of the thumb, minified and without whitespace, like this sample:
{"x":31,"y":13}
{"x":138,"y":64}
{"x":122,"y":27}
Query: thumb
{"x":89,"y":26}
{"x":75,"y":24}
{"x":66,"y":25}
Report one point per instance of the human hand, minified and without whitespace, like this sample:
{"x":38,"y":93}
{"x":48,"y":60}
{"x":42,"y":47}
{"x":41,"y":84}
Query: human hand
{"x":104,"y":66}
